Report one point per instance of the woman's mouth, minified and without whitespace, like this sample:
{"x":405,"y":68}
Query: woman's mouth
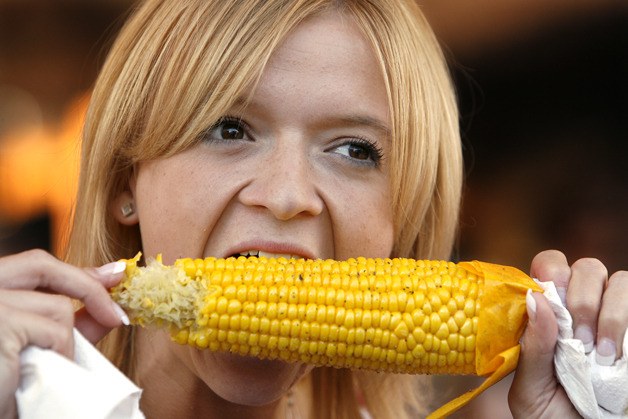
{"x":260,"y":253}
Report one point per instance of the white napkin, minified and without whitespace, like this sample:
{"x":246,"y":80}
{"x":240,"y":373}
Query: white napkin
{"x":90,"y":387}
{"x":596,"y":391}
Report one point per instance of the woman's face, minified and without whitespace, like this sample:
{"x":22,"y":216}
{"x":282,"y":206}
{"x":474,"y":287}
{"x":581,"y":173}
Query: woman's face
{"x":302,"y":171}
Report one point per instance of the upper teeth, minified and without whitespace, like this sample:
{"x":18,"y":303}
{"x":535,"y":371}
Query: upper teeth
{"x":259,"y":253}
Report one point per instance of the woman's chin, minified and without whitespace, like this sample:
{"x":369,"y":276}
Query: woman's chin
{"x":251,"y":381}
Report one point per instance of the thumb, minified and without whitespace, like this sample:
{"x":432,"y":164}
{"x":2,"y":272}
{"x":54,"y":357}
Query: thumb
{"x":534,"y":382}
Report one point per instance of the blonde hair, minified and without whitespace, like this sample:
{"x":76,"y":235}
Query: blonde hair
{"x":178,"y":65}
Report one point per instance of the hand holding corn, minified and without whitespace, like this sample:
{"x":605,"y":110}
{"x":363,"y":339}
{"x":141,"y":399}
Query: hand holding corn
{"x":389,"y":315}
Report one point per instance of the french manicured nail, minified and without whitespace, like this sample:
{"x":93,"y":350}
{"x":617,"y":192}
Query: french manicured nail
{"x":120,"y":313}
{"x":562,"y":294}
{"x":584,"y":334}
{"x":605,"y":352}
{"x":531,"y":306}
{"x":112,"y":268}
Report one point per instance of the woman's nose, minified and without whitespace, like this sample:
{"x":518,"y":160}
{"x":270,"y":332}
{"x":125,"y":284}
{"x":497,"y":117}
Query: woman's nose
{"x":284,"y":184}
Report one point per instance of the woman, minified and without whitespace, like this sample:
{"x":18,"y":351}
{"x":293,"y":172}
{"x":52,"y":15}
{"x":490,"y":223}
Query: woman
{"x":318,"y":129}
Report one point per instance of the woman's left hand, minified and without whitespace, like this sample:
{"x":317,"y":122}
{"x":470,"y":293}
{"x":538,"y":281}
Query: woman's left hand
{"x":599,"y":308}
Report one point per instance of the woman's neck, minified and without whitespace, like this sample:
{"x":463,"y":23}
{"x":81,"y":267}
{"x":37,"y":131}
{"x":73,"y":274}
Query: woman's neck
{"x":170,"y":389}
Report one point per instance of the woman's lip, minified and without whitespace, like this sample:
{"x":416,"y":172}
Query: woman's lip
{"x":251,"y":361}
{"x":271,"y":247}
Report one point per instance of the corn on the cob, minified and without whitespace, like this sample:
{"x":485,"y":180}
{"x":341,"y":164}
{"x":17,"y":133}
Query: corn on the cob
{"x":393,"y":315}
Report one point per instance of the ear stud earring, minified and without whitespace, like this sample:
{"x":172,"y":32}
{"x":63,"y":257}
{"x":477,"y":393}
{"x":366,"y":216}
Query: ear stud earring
{"x":127,"y":209}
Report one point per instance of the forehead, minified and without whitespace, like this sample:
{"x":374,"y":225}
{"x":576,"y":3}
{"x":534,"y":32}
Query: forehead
{"x":326,"y":59}
{"x":331,"y":39}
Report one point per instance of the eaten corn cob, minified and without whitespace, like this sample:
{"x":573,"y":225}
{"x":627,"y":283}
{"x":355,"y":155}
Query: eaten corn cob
{"x":392,"y":315}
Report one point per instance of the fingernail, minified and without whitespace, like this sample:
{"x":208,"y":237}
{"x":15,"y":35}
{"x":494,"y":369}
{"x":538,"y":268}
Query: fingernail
{"x":562,"y":294}
{"x":112,"y":268}
{"x":531,"y":306}
{"x":584,"y":334}
{"x":120,"y":313}
{"x":605,"y":352}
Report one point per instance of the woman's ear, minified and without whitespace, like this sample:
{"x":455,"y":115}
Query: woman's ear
{"x":123,"y":209}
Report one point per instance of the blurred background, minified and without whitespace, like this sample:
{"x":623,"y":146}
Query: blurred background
{"x":544,"y":102}
{"x":544,"y":113}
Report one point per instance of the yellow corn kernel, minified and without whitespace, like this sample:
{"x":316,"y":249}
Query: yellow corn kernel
{"x":393,"y":315}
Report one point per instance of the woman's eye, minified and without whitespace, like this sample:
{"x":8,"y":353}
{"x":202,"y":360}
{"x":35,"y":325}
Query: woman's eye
{"x":361,"y":150}
{"x":231,"y":131}
{"x":228,"y":129}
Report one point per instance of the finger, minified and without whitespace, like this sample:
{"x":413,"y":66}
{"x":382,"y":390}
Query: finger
{"x":9,"y":381}
{"x":552,"y":265}
{"x":51,"y":306}
{"x":20,"y":329}
{"x":36,"y":269}
{"x":90,"y":328}
{"x":613,"y":319}
{"x":584,"y":298}
{"x":108,"y":275}
{"x":534,"y":383}
{"x":8,"y":406}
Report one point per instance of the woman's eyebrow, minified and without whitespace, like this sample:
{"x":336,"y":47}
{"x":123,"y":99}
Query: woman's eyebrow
{"x":241,"y":105}
{"x":362,"y":120}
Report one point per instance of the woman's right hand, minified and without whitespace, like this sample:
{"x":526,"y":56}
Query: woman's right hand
{"x":36,"y":292}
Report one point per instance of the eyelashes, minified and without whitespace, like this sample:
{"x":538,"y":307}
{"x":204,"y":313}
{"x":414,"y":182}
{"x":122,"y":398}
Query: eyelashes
{"x":227,"y":129}
{"x":361,"y":150}
{"x":356,"y":149}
